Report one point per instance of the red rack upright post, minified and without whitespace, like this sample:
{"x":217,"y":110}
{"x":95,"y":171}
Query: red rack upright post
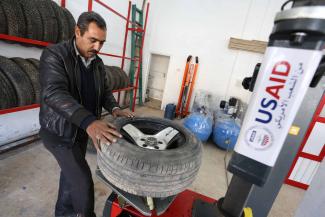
{"x":123,"y":57}
{"x":124,"y":44}
{"x":90,"y":5}
{"x":126,"y":35}
{"x":63,"y":3}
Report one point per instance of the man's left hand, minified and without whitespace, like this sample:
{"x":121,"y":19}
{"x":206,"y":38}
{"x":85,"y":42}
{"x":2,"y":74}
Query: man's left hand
{"x":120,"y":113}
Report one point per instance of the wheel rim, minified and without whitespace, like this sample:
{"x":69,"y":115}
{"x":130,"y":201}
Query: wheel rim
{"x":159,"y":137}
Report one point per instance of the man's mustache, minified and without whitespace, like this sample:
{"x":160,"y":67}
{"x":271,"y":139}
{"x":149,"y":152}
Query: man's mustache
{"x":94,"y":51}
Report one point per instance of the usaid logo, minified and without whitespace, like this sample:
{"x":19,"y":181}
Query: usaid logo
{"x":259,"y":138}
{"x":276,"y":83}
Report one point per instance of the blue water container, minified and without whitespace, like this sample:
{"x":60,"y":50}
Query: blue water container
{"x":200,"y":124}
{"x":170,"y":111}
{"x":225,"y":133}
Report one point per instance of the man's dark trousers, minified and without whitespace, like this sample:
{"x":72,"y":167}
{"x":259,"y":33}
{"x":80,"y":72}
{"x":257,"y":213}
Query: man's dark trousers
{"x":76,"y":190}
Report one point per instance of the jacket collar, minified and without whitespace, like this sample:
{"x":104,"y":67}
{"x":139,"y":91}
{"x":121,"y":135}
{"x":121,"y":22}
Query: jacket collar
{"x":84,"y":61}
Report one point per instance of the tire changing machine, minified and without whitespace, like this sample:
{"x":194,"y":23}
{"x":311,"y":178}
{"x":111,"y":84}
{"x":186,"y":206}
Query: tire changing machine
{"x":289,"y":67}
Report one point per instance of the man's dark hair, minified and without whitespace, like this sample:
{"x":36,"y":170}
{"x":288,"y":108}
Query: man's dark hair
{"x":88,"y":17}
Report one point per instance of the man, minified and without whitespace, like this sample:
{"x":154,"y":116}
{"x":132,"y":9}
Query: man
{"x":73,"y":91}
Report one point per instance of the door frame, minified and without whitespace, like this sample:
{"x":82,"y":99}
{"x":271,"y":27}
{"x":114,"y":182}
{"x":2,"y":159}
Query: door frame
{"x":148,"y":71}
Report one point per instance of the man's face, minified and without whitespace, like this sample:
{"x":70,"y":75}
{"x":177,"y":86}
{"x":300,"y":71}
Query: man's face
{"x":91,"y":41}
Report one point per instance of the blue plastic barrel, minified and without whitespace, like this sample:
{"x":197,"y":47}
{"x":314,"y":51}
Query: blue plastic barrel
{"x":225,"y":133}
{"x":170,"y":111}
{"x":199,"y":124}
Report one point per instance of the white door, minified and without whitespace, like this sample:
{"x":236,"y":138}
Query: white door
{"x":156,"y":79}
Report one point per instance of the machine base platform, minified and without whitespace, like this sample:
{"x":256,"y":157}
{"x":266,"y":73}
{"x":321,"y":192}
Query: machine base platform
{"x":182,"y":206}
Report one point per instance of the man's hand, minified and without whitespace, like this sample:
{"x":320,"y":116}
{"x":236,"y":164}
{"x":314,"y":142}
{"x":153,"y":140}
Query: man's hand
{"x":102,"y":133}
{"x":120,"y":113}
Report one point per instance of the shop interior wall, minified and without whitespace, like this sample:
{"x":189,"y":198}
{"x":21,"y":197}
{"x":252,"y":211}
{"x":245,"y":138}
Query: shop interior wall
{"x":203,"y":28}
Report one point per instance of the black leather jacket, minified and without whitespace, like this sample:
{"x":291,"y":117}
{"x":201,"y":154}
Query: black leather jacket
{"x":61,"y":111}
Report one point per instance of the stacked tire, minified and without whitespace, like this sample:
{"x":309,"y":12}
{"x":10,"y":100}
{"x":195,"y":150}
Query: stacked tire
{"x":19,"y":82}
{"x":42,"y":20}
{"x":117,"y":78}
{"x":20,"y":86}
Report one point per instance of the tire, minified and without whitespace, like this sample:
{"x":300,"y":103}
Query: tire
{"x":126,"y":79}
{"x":50,"y":25}
{"x":148,"y":172}
{"x":71,"y":22}
{"x":34,"y":25}
{"x":8,"y":97}
{"x":109,"y":77}
{"x":32,"y":73}
{"x":116,"y":78}
{"x":19,"y":79}
{"x":63,"y":27}
{"x":15,"y":18}
{"x":3,"y":21}
{"x":35,"y":62}
{"x":124,"y":82}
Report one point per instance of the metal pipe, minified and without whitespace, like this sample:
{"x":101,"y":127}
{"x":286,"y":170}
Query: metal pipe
{"x":126,"y":35}
{"x":237,"y":196}
{"x":124,"y":44}
{"x":24,"y":40}
{"x":63,"y":3}
{"x":117,"y":56}
{"x":114,"y":11}
{"x":90,"y":5}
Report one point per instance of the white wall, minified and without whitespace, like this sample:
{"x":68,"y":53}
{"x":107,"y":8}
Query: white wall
{"x":203,"y":28}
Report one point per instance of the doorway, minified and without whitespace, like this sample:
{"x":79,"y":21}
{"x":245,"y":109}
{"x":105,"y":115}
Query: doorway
{"x":156,"y":80}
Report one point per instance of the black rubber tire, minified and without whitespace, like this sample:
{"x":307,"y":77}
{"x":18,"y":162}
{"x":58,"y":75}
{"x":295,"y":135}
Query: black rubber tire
{"x":109,"y":77}
{"x":71,"y":22}
{"x":50,"y":25}
{"x":3,"y":21}
{"x":15,"y":18}
{"x":151,"y":173}
{"x":116,"y":77}
{"x":35,"y":62}
{"x":124,"y":79}
{"x":63,"y":26}
{"x":8,"y":97}
{"x":112,"y":82}
{"x":32,"y":73}
{"x":19,"y":79}
{"x":34,"y":25}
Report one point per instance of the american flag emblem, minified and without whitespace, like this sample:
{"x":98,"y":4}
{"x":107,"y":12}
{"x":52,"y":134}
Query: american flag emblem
{"x":266,"y":140}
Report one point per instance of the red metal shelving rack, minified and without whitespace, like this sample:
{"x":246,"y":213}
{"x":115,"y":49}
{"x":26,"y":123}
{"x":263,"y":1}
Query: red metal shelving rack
{"x":123,"y":57}
{"x":127,"y":28}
